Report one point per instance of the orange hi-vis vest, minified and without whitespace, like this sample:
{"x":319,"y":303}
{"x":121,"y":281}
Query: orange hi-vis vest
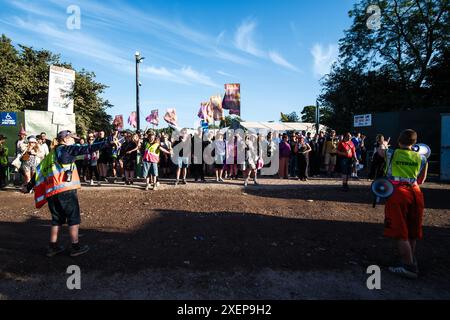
{"x":51,"y":179}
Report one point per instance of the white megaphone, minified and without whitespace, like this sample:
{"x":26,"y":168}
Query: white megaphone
{"x":422,"y":149}
{"x":382,"y":188}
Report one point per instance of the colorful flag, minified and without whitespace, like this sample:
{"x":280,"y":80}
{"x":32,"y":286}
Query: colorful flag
{"x":153,"y":118}
{"x":206,"y":112}
{"x":232,"y":98}
{"x":216,"y":103}
{"x":132,"y":119}
{"x":171,"y":117}
{"x":118,"y":122}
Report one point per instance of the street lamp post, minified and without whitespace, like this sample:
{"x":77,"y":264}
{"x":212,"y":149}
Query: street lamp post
{"x":138,"y":61}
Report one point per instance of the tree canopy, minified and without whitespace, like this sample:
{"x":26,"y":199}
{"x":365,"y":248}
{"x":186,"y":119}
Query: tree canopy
{"x":24,"y":74}
{"x":403,"y":64}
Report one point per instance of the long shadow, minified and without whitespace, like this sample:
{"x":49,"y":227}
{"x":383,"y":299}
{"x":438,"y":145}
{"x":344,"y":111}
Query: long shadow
{"x":434,"y":198}
{"x":218,"y":241}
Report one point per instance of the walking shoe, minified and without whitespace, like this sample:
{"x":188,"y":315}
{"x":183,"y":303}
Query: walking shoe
{"x":78,"y":250}
{"x":177,"y":182}
{"x":406,"y":271}
{"x":54,"y":250}
{"x":91,"y":183}
{"x":155,"y":186}
{"x":256,"y":182}
{"x":147,"y":187}
{"x":184,"y":182}
{"x":99,"y":183}
{"x":246,"y":183}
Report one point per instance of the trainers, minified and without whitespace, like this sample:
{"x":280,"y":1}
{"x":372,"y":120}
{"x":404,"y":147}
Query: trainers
{"x":147,"y":187}
{"x":246,"y":183}
{"x":91,"y":183}
{"x":184,"y":182}
{"x":256,"y":182}
{"x":155,"y":186}
{"x":403,"y":270}
{"x":75,"y":252}
{"x":177,"y":182}
{"x":99,"y":183}
{"x":53,"y":251}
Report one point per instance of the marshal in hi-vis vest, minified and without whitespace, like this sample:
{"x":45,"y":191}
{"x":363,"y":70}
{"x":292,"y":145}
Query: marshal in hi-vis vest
{"x":51,"y":179}
{"x":404,"y":165}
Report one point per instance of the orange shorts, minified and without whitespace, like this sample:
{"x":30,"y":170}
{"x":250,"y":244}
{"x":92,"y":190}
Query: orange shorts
{"x":404,"y":213}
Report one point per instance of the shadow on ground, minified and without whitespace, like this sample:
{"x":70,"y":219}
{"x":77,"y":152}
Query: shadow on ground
{"x":218,"y":241}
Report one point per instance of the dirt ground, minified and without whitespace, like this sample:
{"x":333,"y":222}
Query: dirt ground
{"x":280,"y":240}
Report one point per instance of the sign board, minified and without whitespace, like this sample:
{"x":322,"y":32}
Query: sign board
{"x":8,"y":119}
{"x":363,"y":120}
{"x":40,"y":121}
{"x":60,"y":86}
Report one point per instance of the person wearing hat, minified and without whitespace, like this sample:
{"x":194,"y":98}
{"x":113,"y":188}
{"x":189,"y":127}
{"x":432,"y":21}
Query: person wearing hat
{"x":3,"y":161}
{"x":56,"y":183}
{"x":32,"y":155}
{"x":21,"y":141}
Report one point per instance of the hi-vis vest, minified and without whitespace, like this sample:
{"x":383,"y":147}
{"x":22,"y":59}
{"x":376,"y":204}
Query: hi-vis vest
{"x":152,"y":152}
{"x":51,"y":179}
{"x":404,"y":165}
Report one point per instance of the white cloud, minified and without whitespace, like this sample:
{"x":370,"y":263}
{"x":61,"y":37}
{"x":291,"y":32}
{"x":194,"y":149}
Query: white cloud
{"x":197,"y":77}
{"x":225,"y":74}
{"x":324,"y":59}
{"x":185,"y":75}
{"x":278,"y":59}
{"x":244,"y":39}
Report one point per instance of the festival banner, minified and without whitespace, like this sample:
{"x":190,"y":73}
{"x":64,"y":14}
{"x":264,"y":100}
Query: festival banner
{"x":216,"y":103}
{"x":232,"y":98}
{"x":153,"y":118}
{"x":132,"y":119}
{"x":118,"y":122}
{"x":60,"y":88}
{"x":206,"y":112}
{"x":171,"y":117}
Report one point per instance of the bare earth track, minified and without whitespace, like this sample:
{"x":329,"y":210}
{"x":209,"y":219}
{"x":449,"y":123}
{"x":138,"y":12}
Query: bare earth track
{"x":281,"y":240}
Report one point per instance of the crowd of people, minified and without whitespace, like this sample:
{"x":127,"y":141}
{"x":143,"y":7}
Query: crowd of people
{"x":150,"y":155}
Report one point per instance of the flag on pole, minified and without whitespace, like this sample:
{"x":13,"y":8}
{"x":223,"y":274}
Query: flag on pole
{"x":132,"y":119}
{"x":171,"y":117}
{"x":216,"y":102}
{"x":153,"y":118}
{"x":118,"y":122}
{"x":232,"y":98}
{"x":206,"y":112}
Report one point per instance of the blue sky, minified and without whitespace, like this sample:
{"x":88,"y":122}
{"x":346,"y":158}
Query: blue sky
{"x":276,"y":49}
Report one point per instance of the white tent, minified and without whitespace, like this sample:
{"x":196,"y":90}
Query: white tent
{"x":282,"y":126}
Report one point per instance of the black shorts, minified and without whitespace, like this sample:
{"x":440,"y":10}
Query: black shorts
{"x":346,"y":166}
{"x":65,"y":208}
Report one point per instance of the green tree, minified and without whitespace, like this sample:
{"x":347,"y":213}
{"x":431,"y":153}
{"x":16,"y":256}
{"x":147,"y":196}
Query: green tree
{"x":398,"y":66}
{"x":291,"y":117}
{"x":24,"y":74}
{"x":229,"y":120}
{"x":309,"y":115}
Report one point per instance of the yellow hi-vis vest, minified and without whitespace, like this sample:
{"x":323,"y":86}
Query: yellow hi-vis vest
{"x":404,"y":165}
{"x":51,"y":179}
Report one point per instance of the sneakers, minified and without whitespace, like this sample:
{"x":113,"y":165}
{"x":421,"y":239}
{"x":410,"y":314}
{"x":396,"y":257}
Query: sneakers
{"x":177,"y":182}
{"x":184,"y":182}
{"x":99,"y":183}
{"x":91,"y":183}
{"x":155,"y":186}
{"x":256,"y":182}
{"x":246,"y":183}
{"x":147,"y":187}
{"x":406,"y":271}
{"x":54,"y":250}
{"x":78,"y":250}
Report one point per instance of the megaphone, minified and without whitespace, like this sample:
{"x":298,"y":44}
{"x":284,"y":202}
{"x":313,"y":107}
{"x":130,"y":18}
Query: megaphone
{"x":382,"y":188}
{"x":422,"y":149}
